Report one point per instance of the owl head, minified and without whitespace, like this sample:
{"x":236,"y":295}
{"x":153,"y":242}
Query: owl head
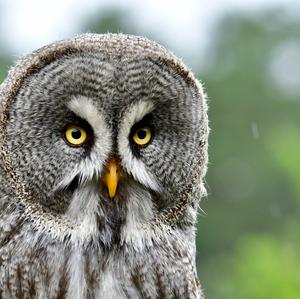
{"x":102,"y":137}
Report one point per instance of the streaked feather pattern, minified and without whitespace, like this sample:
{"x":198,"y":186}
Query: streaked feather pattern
{"x":60,"y":235}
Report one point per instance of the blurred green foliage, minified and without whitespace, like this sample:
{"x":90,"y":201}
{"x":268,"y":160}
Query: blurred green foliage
{"x":260,"y":267}
{"x":110,"y":20}
{"x":4,"y":64}
{"x":248,"y":244}
{"x":253,"y":176}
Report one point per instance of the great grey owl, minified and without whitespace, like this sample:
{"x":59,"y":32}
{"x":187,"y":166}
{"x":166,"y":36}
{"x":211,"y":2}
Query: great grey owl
{"x":103,"y":153}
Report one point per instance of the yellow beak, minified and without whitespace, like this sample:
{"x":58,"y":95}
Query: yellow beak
{"x":111,"y":177}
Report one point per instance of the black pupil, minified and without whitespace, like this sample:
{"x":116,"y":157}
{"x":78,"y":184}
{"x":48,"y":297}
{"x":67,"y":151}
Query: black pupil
{"x":142,"y":134}
{"x":76,"y":134}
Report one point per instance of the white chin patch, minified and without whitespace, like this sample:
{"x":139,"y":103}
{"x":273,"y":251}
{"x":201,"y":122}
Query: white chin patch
{"x":134,"y":166}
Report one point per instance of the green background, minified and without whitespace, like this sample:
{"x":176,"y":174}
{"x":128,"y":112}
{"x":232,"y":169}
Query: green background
{"x":248,"y":231}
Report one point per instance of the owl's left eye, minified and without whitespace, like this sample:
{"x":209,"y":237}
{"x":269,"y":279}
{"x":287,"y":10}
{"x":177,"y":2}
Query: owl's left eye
{"x":75,"y":135}
{"x":142,"y":136}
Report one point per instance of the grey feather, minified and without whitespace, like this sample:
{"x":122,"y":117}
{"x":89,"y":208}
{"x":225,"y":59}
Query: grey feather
{"x":60,"y":234}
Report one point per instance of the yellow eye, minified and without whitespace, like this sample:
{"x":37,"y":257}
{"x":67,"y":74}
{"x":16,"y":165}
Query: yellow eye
{"x":75,"y":135}
{"x":142,"y":136}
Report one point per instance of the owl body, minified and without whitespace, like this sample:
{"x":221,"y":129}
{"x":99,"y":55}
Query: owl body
{"x":103,"y":154}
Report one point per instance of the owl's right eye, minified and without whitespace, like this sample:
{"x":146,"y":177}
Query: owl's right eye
{"x":75,"y":135}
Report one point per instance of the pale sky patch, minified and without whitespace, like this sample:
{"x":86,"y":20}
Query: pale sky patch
{"x":185,"y":26}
